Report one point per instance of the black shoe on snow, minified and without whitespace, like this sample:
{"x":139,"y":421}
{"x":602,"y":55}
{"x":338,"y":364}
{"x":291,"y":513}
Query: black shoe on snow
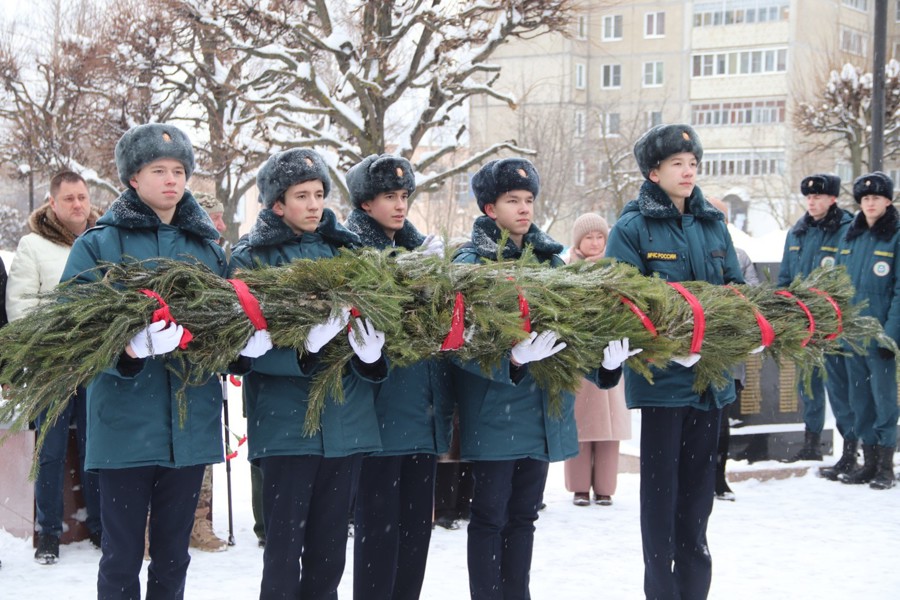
{"x":47,"y":552}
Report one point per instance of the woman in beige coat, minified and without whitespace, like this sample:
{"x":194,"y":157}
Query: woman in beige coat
{"x":601,"y":415}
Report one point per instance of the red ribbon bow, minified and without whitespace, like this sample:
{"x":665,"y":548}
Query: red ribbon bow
{"x":812,"y":322}
{"x":837,"y":313}
{"x":249,"y":303}
{"x":454,"y":339}
{"x":699,"y":317}
{"x":163,"y":314}
{"x":766,"y":331}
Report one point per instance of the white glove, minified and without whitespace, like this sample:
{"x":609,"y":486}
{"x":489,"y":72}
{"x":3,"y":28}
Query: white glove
{"x":432,"y":246}
{"x":258,"y":344}
{"x":686,"y":361}
{"x":369,"y":349}
{"x":616,"y":353}
{"x":757,"y":350}
{"x":321,"y":334}
{"x":536,"y":347}
{"x":155,"y":339}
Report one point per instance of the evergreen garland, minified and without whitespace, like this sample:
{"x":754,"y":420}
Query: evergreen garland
{"x":82,"y":329}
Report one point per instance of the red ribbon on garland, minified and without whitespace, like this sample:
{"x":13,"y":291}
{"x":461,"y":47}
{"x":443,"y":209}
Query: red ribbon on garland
{"x":454,"y":339}
{"x":645,"y":320}
{"x":164,"y":314}
{"x":837,"y":313}
{"x":812,"y":322}
{"x":766,"y":331}
{"x":525,"y":311}
{"x":699,"y":317}
{"x":249,"y":303}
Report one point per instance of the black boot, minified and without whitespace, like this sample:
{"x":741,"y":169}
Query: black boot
{"x":884,"y":474}
{"x":811,"y":449}
{"x":845,"y":465}
{"x":865,"y":472}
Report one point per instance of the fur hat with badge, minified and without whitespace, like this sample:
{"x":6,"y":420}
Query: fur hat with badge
{"x":143,"y":144}
{"x":208,"y":202}
{"x":877,"y":183}
{"x":660,"y":142}
{"x":500,"y":176}
{"x":284,"y":169}
{"x":821,"y":183}
{"x":379,"y":174}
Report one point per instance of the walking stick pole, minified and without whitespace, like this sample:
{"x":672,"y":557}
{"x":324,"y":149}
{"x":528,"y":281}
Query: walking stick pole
{"x":228,"y":461}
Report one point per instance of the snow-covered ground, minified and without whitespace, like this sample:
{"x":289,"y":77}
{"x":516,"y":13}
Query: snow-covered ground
{"x":796,"y":538}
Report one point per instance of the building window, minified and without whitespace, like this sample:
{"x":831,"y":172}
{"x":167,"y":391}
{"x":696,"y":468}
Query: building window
{"x":756,"y":112}
{"x":741,"y":62}
{"x":653,"y":74}
{"x":853,"y":42}
{"x":741,"y":163}
{"x":581,"y":27}
{"x":580,"y":76}
{"x":654,"y":118}
{"x":580,"y":126}
{"x":654,"y":25}
{"x":897,"y":12}
{"x":612,"y":76}
{"x":612,"y":28}
{"x":579,"y":173}
{"x":462,"y":186}
{"x":737,"y":12}
{"x":611,"y":125}
{"x":860,"y":5}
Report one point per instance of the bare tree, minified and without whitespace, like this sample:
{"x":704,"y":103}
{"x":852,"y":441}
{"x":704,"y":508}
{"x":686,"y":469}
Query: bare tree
{"x":353,"y":77}
{"x":841,"y":115}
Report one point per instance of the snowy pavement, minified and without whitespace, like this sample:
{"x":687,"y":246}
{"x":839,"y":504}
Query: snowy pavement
{"x":796,"y":538}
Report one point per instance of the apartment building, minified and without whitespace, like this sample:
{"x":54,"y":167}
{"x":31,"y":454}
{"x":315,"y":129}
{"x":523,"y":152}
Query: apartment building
{"x":734,"y":69}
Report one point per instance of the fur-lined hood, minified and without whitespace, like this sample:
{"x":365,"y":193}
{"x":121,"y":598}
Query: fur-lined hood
{"x":486,"y":235}
{"x":652,"y":202}
{"x":44,"y":223}
{"x":271,"y":230}
{"x":883,"y":229}
{"x":831,"y":222}
{"x":372,"y":234}
{"x":130,"y":212}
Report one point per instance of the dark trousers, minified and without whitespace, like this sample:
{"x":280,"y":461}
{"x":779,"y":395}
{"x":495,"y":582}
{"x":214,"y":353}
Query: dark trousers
{"x":125,"y":497}
{"x":394,"y":503}
{"x":453,"y":490}
{"x":505,"y":506}
{"x":48,"y":488}
{"x":874,"y":398}
{"x":677,"y":487}
{"x":256,"y":502}
{"x":305,"y":502}
{"x":838,"y":395}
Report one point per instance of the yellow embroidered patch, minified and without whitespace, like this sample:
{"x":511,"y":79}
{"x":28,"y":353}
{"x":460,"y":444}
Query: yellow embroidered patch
{"x":662,"y":256}
{"x":884,"y":253}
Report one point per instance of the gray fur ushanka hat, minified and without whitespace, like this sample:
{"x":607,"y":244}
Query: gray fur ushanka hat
{"x":821,"y":183}
{"x":500,"y":176}
{"x":144,"y":144}
{"x":284,"y":169}
{"x":877,"y":184}
{"x":379,"y":174}
{"x":661,"y":142}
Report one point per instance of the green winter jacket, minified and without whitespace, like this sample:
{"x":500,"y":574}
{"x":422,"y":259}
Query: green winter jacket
{"x":695,"y":246}
{"x":132,"y":408}
{"x":811,"y":244}
{"x":276,"y":389}
{"x":503,"y":415}
{"x":414,"y":404}
{"x":872,"y":257}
